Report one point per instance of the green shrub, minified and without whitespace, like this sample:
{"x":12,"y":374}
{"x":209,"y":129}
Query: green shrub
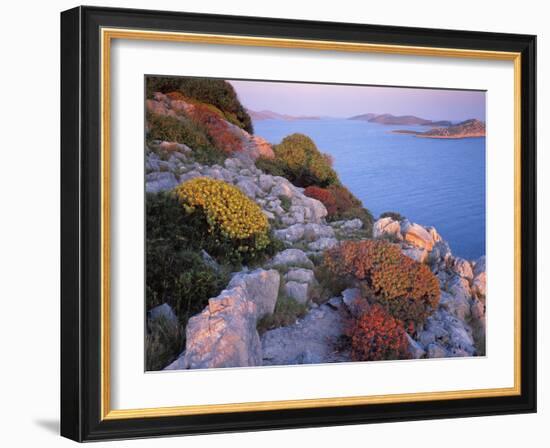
{"x":182,"y":130}
{"x":393,"y":215}
{"x":216,"y":92}
{"x":164,"y":341}
{"x":286,"y":202}
{"x":406,"y":288}
{"x":302,"y":163}
{"x":271,"y":166}
{"x":175,"y":271}
{"x":287,"y":311}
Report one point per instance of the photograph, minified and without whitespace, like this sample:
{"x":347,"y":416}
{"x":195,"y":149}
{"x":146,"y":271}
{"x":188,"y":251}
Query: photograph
{"x":291,"y":223}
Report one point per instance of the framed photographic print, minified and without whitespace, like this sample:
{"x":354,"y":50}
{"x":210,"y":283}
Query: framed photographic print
{"x":276,"y":224}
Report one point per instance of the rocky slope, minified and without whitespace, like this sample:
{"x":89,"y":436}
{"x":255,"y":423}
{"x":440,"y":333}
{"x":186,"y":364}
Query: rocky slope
{"x":225,"y":333}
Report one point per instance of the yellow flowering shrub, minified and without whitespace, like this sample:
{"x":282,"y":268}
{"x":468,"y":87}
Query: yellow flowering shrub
{"x":229,"y":213}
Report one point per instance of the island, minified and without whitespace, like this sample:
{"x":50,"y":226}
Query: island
{"x":270,"y":115}
{"x":389,"y":119}
{"x":465,"y":129}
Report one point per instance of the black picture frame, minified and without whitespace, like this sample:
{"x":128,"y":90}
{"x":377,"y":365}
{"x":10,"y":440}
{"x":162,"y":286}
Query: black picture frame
{"x":81,"y":224}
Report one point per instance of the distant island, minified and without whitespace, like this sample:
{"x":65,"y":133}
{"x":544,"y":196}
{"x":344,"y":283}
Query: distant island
{"x":464,"y":129}
{"x":390,"y":119}
{"x":270,"y":115}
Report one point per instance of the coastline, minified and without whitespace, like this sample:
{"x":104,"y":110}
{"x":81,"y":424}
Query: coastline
{"x":448,"y":137}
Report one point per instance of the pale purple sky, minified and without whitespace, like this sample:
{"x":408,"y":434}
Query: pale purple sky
{"x":345,"y":101}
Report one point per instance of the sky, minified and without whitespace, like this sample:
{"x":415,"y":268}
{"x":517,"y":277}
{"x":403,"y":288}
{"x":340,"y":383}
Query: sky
{"x":345,"y":101}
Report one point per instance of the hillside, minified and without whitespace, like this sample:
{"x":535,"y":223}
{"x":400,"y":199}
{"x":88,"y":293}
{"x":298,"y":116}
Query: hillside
{"x":270,"y":115}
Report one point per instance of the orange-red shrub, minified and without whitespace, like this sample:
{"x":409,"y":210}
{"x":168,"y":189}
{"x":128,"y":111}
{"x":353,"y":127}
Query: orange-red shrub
{"x":408,"y":289}
{"x":377,"y":336}
{"x":325,"y":196}
{"x":344,"y":199}
{"x":218,"y":129}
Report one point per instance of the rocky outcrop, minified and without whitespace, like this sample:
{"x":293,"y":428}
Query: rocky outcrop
{"x":417,"y":235}
{"x":261,"y":287}
{"x":253,"y":146}
{"x":387,"y":227}
{"x":457,"y":327}
{"x":224,"y":334}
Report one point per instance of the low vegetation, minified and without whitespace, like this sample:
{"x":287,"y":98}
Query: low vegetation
{"x":341,"y":204}
{"x":407,"y":289}
{"x":233,"y":223}
{"x":298,"y":159}
{"x":393,"y":215}
{"x":287,"y":311}
{"x":376,"y":336}
{"x":184,"y":130}
{"x":163,"y":343}
{"x":176,"y":271}
{"x":214,"y":92}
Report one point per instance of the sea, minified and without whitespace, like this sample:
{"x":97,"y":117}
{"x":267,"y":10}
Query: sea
{"x":433,"y":182}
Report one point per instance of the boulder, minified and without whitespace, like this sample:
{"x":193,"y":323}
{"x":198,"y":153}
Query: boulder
{"x":291,"y":257}
{"x":436,"y":351}
{"x":189,"y":175}
{"x":462,"y":267}
{"x":160,"y":181}
{"x":266,"y":182}
{"x":174,"y":147}
{"x":352,"y":225}
{"x":441,"y":252}
{"x":248,"y":187}
{"x":282,"y":187}
{"x":257,"y":146}
{"x":478,"y":325}
{"x":224,"y":334}
{"x":297,"y":291}
{"x":300,"y":275}
{"x":261,"y":287}
{"x":416,"y":253}
{"x":387,"y":227}
{"x":290,"y":234}
{"x":323,"y":244}
{"x":480,"y":266}
{"x":165,"y":312}
{"x":458,"y":305}
{"x":314,"y":231}
{"x":415,"y":349}
{"x":452,"y":334}
{"x":426,"y":337}
{"x":435,"y":235}
{"x":353,"y":300}
{"x":479,"y":284}
{"x":315,"y":211}
{"x":417,"y":235}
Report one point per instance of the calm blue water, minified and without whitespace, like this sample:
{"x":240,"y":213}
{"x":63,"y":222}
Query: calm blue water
{"x":434,"y":182}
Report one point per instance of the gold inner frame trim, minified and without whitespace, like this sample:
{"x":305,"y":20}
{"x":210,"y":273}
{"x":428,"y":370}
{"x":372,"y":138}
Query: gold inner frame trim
{"x":107,"y":35}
